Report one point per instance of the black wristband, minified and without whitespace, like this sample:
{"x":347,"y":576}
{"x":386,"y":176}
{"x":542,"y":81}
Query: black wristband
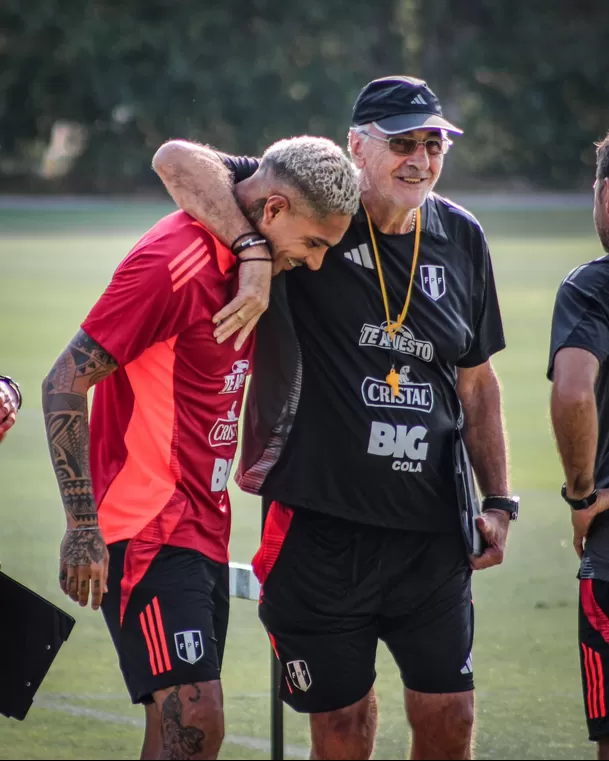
{"x":255,"y":259}
{"x":500,"y":502}
{"x":579,"y":504}
{"x":243,"y":235}
{"x":15,"y":386}
{"x":258,"y":240}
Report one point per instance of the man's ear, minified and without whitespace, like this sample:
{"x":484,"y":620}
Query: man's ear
{"x":604,"y":194}
{"x":275,"y":204}
{"x":356,"y":144}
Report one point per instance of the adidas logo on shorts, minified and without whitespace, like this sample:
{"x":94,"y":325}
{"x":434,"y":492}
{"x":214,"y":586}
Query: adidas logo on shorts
{"x":468,"y":668}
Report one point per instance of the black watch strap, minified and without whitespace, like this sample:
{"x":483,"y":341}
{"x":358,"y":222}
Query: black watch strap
{"x":507,"y":504}
{"x":15,"y":386}
{"x":579,"y":504}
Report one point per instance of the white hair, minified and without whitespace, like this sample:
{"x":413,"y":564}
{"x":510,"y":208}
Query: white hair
{"x":319,"y":170}
{"x":360,"y":129}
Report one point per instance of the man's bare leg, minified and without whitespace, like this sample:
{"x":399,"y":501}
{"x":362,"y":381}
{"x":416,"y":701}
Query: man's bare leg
{"x":442,"y":725}
{"x":348,"y":733}
{"x":192,"y":721}
{"x":603,"y":749}
{"x":153,"y":739}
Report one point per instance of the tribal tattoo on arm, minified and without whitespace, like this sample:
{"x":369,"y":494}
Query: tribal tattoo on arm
{"x":64,"y":399}
{"x":83,"y":558}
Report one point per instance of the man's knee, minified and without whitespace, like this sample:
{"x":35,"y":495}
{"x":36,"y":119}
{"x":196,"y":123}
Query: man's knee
{"x":348,"y":733}
{"x":441,"y":724}
{"x":192,"y":720}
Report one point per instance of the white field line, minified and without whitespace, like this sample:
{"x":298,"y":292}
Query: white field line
{"x":244,"y":741}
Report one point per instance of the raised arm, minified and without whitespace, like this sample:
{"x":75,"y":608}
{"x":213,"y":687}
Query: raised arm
{"x":83,"y":556}
{"x":200,"y":184}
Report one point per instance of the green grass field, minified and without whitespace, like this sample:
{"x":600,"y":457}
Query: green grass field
{"x":54,"y":265}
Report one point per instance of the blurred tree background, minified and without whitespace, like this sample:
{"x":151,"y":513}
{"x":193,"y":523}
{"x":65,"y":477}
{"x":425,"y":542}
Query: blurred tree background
{"x":528,"y":80}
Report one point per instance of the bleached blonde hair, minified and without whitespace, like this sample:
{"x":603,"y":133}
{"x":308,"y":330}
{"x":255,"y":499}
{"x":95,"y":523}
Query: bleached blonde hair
{"x":319,"y":169}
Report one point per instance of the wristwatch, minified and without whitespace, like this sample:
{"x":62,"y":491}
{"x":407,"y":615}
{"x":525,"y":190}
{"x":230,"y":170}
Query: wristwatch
{"x":579,"y":504}
{"x":507,"y":504}
{"x":15,"y":386}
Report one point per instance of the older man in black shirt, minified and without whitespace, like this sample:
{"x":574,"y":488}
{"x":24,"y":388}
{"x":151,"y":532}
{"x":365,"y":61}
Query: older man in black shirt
{"x":369,"y":376}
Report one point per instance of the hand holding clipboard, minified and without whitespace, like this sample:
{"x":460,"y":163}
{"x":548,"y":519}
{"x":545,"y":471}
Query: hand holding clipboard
{"x":485,"y":534}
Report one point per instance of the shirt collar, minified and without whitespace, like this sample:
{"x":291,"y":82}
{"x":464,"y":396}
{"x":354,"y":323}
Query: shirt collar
{"x":224,"y":257}
{"x":431,"y":223}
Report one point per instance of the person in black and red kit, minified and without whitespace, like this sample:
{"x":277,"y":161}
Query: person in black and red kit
{"x":579,"y":369}
{"x":368,"y":379}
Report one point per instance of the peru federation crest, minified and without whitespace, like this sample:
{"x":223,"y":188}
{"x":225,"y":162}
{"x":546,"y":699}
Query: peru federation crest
{"x":189,"y":646}
{"x":433,"y":281}
{"x":299,"y":675}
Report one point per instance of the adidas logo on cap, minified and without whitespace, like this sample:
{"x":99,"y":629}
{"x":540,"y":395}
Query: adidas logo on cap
{"x":419,"y":100}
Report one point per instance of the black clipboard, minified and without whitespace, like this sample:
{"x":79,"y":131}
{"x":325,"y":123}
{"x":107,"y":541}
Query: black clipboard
{"x":32,"y":631}
{"x":469,"y":504}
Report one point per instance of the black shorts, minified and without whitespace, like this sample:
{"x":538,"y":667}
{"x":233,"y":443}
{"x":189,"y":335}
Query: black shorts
{"x":175,"y":622}
{"x":333,"y":588}
{"x":594,"y":653}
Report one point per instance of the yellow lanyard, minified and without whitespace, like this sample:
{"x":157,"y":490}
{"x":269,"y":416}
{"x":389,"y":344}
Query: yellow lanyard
{"x":393,"y":379}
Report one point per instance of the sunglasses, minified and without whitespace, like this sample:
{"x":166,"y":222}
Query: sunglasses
{"x":406,"y":146}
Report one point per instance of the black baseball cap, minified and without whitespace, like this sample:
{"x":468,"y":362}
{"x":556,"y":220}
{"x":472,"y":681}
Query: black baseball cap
{"x":400,"y":104}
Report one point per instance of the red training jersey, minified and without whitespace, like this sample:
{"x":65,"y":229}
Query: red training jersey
{"x":164,"y":425}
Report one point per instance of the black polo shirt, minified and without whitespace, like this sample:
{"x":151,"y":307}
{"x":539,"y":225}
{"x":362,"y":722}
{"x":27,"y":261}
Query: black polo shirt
{"x":322,"y":430}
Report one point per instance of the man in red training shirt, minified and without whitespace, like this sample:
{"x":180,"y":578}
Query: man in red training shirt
{"x":148,"y":514}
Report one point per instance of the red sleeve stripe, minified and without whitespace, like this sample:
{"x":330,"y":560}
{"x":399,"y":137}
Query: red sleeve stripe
{"x":188,"y":263}
{"x":183,"y":254}
{"x":191,"y":273}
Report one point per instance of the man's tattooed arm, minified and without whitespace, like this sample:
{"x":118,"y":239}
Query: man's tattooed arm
{"x":64,"y":399}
